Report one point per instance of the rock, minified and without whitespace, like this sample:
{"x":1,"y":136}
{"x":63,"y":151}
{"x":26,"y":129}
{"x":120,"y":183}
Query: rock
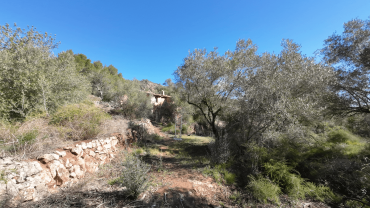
{"x":68,"y":148}
{"x":99,"y":148}
{"x":83,"y":145}
{"x":68,"y":165}
{"x":2,"y":188}
{"x":91,"y":167}
{"x":34,"y":168}
{"x":11,"y":187}
{"x":48,"y":157}
{"x":73,"y":175}
{"x":21,"y":177}
{"x":61,"y":153}
{"x":28,"y":194}
{"x":43,"y":177}
{"x":107,"y":146}
{"x":107,"y":141}
{"x":77,"y":150}
{"x":92,"y":153}
{"x":58,"y":172}
{"x":114,"y":142}
{"x":81,"y":163}
{"x":93,"y":144}
{"x":76,"y":169}
{"x":6,"y":161}
{"x":89,"y":145}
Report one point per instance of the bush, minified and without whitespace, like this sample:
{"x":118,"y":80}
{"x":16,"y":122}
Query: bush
{"x":264,"y":190}
{"x":170,"y":128}
{"x":135,"y":175}
{"x":293,"y":185}
{"x":219,"y":172}
{"x":83,"y":119}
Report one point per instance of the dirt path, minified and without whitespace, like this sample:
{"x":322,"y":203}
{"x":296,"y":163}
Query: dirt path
{"x":179,"y":181}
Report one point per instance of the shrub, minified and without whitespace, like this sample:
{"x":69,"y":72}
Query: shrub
{"x":264,"y":189}
{"x":170,"y":128}
{"x":83,"y":119}
{"x":219,"y":172}
{"x":292,"y":184}
{"x":135,"y":175}
{"x":28,"y":137}
{"x":229,"y":178}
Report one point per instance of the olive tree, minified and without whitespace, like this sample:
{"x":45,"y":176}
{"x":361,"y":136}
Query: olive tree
{"x":210,"y":80}
{"x":32,"y":78}
{"x":349,"y":54}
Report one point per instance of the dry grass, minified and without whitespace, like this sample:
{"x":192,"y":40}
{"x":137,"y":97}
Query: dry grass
{"x":31,"y":138}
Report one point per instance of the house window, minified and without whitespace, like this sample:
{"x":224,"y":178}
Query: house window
{"x":156,"y":99}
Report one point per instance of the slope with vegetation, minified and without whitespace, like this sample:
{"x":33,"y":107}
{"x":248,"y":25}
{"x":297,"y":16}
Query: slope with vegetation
{"x":285,"y":127}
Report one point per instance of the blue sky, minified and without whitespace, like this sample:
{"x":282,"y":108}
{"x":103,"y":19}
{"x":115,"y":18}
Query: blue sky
{"x":149,"y":39}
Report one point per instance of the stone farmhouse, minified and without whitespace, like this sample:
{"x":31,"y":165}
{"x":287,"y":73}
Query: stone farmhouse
{"x":158,"y":99}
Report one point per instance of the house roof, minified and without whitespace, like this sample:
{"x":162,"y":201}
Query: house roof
{"x":159,"y":95}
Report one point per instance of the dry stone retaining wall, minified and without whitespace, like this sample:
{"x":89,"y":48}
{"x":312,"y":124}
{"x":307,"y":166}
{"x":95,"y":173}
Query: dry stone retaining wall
{"x":32,"y":180}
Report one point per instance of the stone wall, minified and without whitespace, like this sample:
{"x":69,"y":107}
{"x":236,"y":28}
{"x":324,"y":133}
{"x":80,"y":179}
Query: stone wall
{"x":33,"y":179}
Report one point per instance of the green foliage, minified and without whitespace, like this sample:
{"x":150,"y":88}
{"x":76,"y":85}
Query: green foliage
{"x":83,"y":118}
{"x":264,"y":190}
{"x":158,"y":138}
{"x":293,"y":185}
{"x":236,"y":196}
{"x":220,"y":173}
{"x":28,"y":137}
{"x":229,"y":178}
{"x":3,"y":176}
{"x":134,"y":175}
{"x":349,"y":54}
{"x":33,"y":79}
{"x":170,"y":128}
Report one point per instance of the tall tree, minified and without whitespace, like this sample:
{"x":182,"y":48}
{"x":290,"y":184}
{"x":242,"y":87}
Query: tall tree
{"x":349,"y":54}
{"x":210,"y":80}
{"x":31,"y":77}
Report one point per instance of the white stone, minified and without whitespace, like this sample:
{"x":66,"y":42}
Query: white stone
{"x":89,"y":145}
{"x":114,"y":142}
{"x":67,"y":148}
{"x":58,"y":172}
{"x":7,"y":161}
{"x":73,"y":175}
{"x":61,"y":153}
{"x":78,"y":172}
{"x":28,"y":194}
{"x":107,"y":146}
{"x":48,"y":157}
{"x":91,"y":153}
{"x":77,"y":150}
{"x":93,"y":143}
{"x":83,"y":145}
{"x":21,"y":177}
